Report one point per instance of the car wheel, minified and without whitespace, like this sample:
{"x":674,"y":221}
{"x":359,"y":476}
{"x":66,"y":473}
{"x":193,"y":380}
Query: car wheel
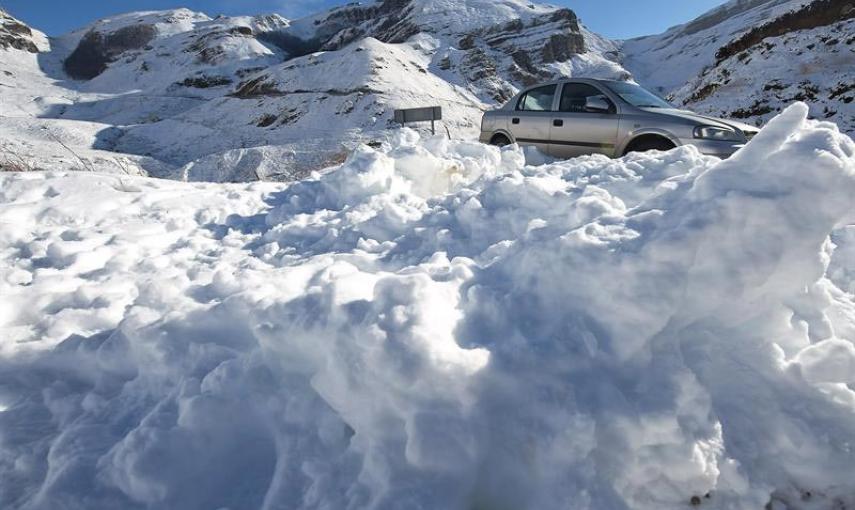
{"x":651,"y":143}
{"x":500,"y":141}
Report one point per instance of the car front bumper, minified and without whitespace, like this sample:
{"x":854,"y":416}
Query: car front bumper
{"x":715,"y":148}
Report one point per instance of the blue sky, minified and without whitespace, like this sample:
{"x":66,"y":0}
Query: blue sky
{"x":612,"y":18}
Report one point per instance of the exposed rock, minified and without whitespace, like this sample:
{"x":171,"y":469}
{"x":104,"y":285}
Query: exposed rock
{"x":563,"y":46}
{"x":816,"y":14}
{"x":257,"y":87}
{"x":210,"y":47}
{"x":531,"y":43}
{"x":205,"y":82}
{"x":759,"y":108}
{"x":290,"y":44}
{"x":96,"y":50}
{"x":476,"y":65}
{"x":385,"y":21}
{"x":266,"y":120}
{"x":467,"y":42}
{"x":15,"y":34}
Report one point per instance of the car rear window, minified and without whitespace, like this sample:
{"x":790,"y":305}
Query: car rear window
{"x":537,"y":100}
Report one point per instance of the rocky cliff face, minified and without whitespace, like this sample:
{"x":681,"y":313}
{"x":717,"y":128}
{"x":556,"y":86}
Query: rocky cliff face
{"x":531,"y":45}
{"x":97,"y":50}
{"x":15,"y":34}
{"x":508,"y":46}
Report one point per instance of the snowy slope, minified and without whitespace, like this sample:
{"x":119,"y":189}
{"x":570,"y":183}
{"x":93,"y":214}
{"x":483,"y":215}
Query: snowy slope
{"x":667,"y":61}
{"x":436,"y":325}
{"x":29,"y":138}
{"x":14,"y":34}
{"x":346,"y":70}
{"x":237,"y":98}
{"x":749,"y":59}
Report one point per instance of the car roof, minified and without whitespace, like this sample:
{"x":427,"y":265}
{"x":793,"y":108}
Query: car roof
{"x":569,"y":80}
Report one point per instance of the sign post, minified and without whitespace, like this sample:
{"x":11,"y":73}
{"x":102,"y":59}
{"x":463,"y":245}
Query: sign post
{"x":431,"y":113}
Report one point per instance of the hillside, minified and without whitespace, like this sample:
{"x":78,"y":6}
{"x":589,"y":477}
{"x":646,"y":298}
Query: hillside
{"x":244,"y":98}
{"x":749,"y":59}
{"x":178,"y":94}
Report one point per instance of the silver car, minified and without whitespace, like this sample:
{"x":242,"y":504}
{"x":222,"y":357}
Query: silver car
{"x":569,"y":118}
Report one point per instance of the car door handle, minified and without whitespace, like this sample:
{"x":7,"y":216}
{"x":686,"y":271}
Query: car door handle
{"x":515,"y":120}
{"x":557,"y":122}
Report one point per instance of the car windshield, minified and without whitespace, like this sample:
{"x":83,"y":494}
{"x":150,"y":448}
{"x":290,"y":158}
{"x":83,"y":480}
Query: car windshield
{"x":637,"y":96}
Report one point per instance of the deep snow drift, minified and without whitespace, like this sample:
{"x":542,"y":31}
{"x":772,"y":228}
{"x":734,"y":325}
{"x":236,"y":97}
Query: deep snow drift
{"x":435,"y":325}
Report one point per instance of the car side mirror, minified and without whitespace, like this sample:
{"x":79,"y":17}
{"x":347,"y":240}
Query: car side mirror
{"x":597,"y":104}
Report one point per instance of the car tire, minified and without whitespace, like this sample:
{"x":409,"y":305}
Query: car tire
{"x":500,"y":141}
{"x":653,"y":143}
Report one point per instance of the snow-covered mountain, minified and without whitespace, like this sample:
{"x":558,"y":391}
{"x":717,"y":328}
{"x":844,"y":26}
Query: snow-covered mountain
{"x":242,"y":98}
{"x":748,"y":59}
{"x":181,"y":95}
{"x":17,"y":35}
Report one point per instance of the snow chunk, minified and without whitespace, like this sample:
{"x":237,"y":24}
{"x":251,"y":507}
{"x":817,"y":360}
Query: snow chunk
{"x":436,"y":324}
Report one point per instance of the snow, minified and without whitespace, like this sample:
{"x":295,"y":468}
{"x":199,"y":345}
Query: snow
{"x":173,"y":107}
{"x":755,"y":81}
{"x":667,"y":61}
{"x":814,"y":65}
{"x":435,"y":324}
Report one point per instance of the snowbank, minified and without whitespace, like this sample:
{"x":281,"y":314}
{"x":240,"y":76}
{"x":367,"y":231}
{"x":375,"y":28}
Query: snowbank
{"x":436,"y":325}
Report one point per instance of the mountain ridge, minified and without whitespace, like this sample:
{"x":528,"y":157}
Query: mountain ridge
{"x":253,"y":94}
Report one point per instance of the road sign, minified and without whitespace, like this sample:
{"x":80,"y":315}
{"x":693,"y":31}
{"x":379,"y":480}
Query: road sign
{"x":431,"y":114}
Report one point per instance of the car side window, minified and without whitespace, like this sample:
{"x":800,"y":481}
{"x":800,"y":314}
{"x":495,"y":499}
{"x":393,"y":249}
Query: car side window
{"x":575,"y":95}
{"x":537,"y":100}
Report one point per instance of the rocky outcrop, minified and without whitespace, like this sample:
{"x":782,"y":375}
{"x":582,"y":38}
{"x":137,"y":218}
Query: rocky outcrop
{"x":817,"y":14}
{"x":386,"y":21}
{"x":558,"y":35}
{"x":497,"y":58}
{"x":748,"y":83}
{"x":97,"y":50}
{"x":210,"y":47}
{"x":15,"y":34}
{"x":531,"y":44}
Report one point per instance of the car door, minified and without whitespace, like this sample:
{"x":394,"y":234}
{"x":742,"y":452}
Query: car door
{"x":576,"y":130}
{"x":531,"y":120}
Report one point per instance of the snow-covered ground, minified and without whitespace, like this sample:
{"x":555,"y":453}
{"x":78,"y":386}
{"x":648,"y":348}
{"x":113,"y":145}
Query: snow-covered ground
{"x":435,"y":324}
{"x":182,"y":95}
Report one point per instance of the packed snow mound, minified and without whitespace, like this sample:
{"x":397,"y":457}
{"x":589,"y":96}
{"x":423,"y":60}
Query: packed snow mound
{"x":436,"y":325}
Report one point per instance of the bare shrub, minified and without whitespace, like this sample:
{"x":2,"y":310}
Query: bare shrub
{"x":12,"y":161}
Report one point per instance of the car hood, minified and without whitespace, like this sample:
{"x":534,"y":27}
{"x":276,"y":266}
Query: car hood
{"x":703,"y":119}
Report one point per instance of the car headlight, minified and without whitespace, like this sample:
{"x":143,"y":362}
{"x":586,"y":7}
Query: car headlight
{"x":717,"y":133}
